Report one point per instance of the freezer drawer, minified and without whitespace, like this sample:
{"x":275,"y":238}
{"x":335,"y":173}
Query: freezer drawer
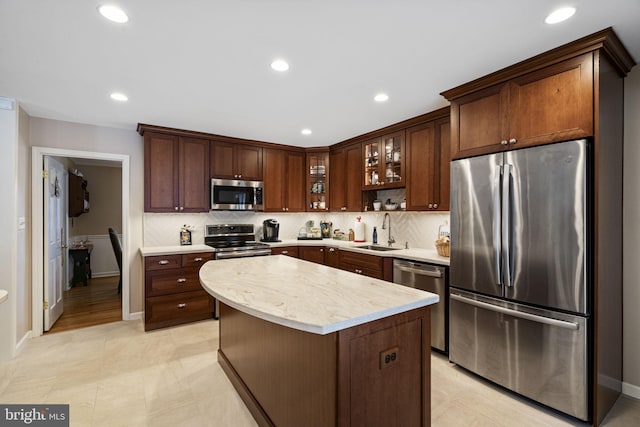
{"x":537,"y":353}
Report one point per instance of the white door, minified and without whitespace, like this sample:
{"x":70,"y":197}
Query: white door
{"x":55,"y":234}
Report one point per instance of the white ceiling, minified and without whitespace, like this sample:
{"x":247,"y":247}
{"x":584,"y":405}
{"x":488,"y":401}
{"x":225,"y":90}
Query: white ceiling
{"x":204,"y":65}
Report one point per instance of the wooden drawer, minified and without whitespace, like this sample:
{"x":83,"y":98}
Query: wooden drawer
{"x":173,"y":281}
{"x":167,"y":310}
{"x":285,"y":250}
{"x":376,"y":274}
{"x":366,"y":261}
{"x":162,"y":262}
{"x":196,"y":259}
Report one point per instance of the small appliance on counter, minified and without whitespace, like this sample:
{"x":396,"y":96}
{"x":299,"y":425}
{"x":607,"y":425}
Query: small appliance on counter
{"x":325,"y":229}
{"x":270,"y":230}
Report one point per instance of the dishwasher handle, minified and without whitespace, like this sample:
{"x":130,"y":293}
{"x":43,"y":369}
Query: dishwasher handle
{"x":422,"y":270}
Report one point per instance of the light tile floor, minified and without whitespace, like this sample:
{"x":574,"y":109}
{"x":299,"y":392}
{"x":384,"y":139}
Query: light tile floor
{"x":118,"y":375}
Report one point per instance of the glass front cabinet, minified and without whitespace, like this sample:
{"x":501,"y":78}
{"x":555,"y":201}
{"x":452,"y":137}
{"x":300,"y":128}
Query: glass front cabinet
{"x":318,"y":181}
{"x":384,"y":162}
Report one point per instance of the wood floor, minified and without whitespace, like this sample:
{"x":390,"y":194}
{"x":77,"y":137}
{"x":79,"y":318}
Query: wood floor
{"x":94,"y":304}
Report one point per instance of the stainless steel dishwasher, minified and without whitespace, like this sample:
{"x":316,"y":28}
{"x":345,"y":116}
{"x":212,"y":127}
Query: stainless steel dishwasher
{"x":430,"y":278}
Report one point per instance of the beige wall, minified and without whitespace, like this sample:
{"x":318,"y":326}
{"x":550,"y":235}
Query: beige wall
{"x":631,"y":226}
{"x":8,"y":226}
{"x":104,"y":185}
{"x":74,"y":136}
{"x":23,"y":295}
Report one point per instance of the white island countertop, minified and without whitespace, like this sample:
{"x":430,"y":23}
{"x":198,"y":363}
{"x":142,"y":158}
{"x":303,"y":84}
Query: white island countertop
{"x":306,"y":296}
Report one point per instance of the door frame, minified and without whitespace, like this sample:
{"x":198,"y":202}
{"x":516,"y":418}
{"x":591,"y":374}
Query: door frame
{"x":37,"y":230}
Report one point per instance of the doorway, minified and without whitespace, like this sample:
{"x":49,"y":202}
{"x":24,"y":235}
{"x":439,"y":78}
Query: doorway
{"x":38,"y":211}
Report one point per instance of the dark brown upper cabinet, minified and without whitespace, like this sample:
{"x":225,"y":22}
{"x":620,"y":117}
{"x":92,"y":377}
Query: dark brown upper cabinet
{"x":176,"y":173}
{"x":551,"y":104}
{"x":235,"y":161}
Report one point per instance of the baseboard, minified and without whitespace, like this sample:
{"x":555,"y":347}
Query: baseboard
{"x":105,"y":274}
{"x":631,"y":390}
{"x":22,"y":342}
{"x":136,"y":316}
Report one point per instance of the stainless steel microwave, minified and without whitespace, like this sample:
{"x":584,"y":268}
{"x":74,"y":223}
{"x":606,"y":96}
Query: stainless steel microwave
{"x":236,"y":195}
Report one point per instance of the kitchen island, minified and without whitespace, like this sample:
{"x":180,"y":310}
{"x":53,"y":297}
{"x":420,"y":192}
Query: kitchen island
{"x":306,"y":344}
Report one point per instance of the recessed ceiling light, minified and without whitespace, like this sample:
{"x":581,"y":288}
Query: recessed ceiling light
{"x":113,"y":13}
{"x":280,"y":65}
{"x":381,"y":97}
{"x":117,"y":96}
{"x":306,"y":131}
{"x":560,"y":15}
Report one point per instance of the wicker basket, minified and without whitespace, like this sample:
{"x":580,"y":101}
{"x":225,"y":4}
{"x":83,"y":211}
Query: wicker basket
{"x":443,"y":248}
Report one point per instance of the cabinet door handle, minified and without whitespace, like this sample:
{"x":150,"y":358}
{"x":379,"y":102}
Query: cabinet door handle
{"x":198,"y":259}
{"x":175,"y":208}
{"x":358,"y":271}
{"x":163,"y":262}
{"x":435,"y":206}
{"x":430,"y":206}
{"x":181,"y":208}
{"x":332,"y":250}
{"x":181,"y":280}
{"x":182,"y":305}
{"x":512,"y":141}
{"x":321,"y":249}
{"x":504,"y":142}
{"x":284,"y":252}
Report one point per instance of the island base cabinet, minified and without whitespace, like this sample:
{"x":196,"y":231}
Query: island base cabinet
{"x":374,"y":374}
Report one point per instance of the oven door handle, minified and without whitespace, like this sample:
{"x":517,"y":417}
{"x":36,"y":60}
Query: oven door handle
{"x":242,"y":254}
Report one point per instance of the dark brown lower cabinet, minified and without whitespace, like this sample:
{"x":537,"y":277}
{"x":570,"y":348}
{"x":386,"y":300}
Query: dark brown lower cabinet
{"x":172,"y":290}
{"x":365,"y":264}
{"x":291,"y":251}
{"x":312,"y":253}
{"x":374,"y":374}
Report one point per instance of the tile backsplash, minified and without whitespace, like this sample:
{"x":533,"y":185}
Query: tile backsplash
{"x":419,"y":229}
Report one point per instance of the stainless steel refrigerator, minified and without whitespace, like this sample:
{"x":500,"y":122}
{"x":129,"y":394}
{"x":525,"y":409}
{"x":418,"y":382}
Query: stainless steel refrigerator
{"x":520,"y":275}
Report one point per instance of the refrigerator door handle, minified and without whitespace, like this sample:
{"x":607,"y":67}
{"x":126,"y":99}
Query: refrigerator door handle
{"x":514,"y":313}
{"x":496,"y":226}
{"x":506,"y":223}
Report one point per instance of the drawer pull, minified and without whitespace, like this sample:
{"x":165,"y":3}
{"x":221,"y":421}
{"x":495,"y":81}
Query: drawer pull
{"x":197,"y":259}
{"x":358,"y":271}
{"x":182,"y":305}
{"x":181,"y":280}
{"x":163,"y":262}
{"x":285,"y":252}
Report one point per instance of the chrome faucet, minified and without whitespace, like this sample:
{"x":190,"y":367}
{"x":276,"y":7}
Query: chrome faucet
{"x":391,"y":240}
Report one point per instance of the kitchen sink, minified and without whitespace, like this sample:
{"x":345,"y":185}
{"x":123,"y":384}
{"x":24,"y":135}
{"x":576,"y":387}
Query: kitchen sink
{"x":377,"y":248}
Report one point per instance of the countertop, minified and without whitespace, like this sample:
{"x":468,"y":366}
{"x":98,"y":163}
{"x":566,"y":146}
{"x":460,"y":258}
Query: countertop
{"x":413,"y":254}
{"x":306,"y":296}
{"x":168,"y":250}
